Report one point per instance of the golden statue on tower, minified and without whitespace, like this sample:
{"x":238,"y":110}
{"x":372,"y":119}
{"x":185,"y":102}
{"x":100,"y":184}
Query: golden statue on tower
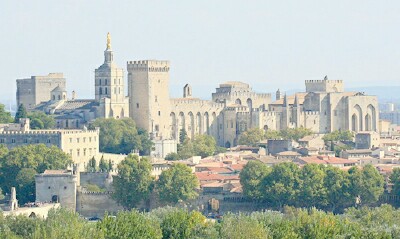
{"x":108,"y":41}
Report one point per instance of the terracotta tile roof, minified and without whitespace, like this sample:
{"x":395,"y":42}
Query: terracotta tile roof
{"x":206,"y":176}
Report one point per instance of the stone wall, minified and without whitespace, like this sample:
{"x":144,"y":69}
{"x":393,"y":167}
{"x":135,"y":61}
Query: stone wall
{"x":93,"y":204}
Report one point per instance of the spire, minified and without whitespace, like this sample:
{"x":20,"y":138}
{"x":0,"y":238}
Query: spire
{"x":108,"y":53}
{"x":278,"y":95}
{"x":285,"y":101}
{"x":296,"y":101}
{"x":108,"y":41}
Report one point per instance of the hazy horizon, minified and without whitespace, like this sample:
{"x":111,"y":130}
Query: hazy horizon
{"x":266,"y":44}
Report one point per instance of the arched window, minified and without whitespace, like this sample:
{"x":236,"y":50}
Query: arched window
{"x":105,"y":83}
{"x":100,"y":91}
{"x":99,"y":81}
{"x":106,"y":91}
{"x":59,"y":97}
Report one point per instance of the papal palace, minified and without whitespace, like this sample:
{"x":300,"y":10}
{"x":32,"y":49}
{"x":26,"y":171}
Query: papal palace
{"x":234,"y":107}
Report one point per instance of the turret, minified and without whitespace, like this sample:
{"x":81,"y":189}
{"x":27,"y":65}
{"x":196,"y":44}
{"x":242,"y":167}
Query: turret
{"x":278,"y":95}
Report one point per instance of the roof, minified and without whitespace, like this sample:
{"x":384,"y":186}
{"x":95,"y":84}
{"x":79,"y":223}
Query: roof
{"x":359,"y":151}
{"x":290,"y":99}
{"x":327,"y":160}
{"x":288,"y":153}
{"x":77,"y":104}
{"x":55,"y":172}
{"x":58,"y":89}
{"x":207,"y":176}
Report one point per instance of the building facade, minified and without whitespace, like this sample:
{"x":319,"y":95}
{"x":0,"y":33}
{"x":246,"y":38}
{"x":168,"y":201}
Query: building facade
{"x":37,"y":89}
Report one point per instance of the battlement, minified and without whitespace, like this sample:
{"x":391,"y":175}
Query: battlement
{"x":270,"y":113}
{"x":322,"y":81}
{"x":310,"y":112}
{"x":148,"y":65}
{"x":236,"y":108}
{"x":48,"y":132}
{"x":196,"y":101}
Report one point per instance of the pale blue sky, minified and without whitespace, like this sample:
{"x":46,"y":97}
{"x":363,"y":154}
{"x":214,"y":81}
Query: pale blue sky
{"x":268,"y":44}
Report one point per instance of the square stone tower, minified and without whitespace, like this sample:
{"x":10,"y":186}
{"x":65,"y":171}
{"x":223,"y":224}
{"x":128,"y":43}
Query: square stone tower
{"x":149,"y":101}
{"x":109,"y":86}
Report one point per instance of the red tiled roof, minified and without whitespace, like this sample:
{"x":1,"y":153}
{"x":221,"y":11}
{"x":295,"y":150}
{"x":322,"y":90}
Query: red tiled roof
{"x":206,"y":176}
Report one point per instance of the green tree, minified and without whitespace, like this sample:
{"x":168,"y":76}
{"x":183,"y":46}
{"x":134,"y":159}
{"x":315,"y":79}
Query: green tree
{"x":18,"y":166}
{"x":337,"y":183}
{"x":204,"y":145}
{"x":180,"y":224}
{"x":395,"y":180}
{"x":177,"y":183}
{"x":133,"y":182}
{"x":129,"y":224}
{"x":281,"y":186}
{"x":186,"y":149}
{"x":121,"y":136}
{"x":312,"y":192}
{"x":367,"y":184}
{"x":182,"y":136}
{"x":40,"y":120}
{"x":5,"y":117}
{"x":103,"y":166}
{"x":92,"y":165}
{"x":272,"y":134}
{"x":251,"y":137}
{"x":172,"y":157}
{"x":110,"y":165}
{"x":295,"y":134}
{"x":338,"y":136}
{"x":242,"y":226}
{"x":251,"y":178}
{"x":21,"y":113}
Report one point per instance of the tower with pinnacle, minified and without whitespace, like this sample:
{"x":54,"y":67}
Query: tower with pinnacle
{"x":110,"y":86}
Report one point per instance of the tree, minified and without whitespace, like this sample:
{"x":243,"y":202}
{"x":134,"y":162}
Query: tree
{"x":242,"y":226}
{"x":180,"y":224}
{"x":110,"y":165}
{"x":177,"y":183}
{"x":129,"y":224}
{"x":172,"y":157}
{"x":5,"y":117}
{"x":338,"y":136}
{"x":92,"y":165}
{"x":251,"y":178}
{"x":366,"y":184}
{"x":19,"y":165}
{"x":204,"y":145}
{"x":272,"y":134}
{"x":295,"y":134}
{"x":21,"y":113}
{"x":103,"y":166}
{"x":312,"y":192}
{"x":395,"y":180}
{"x":40,"y":120}
{"x":251,"y":137}
{"x":133,"y":182}
{"x":186,"y":149}
{"x":121,"y":136}
{"x":281,"y":186}
{"x":337,"y":183}
{"x":182,"y":136}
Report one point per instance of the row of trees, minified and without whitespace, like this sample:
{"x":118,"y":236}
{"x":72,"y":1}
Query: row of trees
{"x":121,"y":136}
{"x":253,"y":136}
{"x":167,"y":223}
{"x":134,"y":183}
{"x":38,"y":120}
{"x":201,"y":145}
{"x":313,"y":185}
{"x":19,"y":166}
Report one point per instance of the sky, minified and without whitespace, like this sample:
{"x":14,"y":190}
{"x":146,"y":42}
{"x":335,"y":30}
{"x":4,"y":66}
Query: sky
{"x":268,"y":44}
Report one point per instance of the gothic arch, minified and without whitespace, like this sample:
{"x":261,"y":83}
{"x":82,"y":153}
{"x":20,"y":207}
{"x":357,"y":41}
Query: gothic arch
{"x":214,"y":124}
{"x":359,"y":114}
{"x":354,"y":123}
{"x":249,"y":104}
{"x":207,"y":123}
{"x":238,"y":102}
{"x":191,"y":125}
{"x":181,"y":121}
{"x":173,"y":125}
{"x":368,"y":125}
{"x":372,"y":112}
{"x":199,"y":127}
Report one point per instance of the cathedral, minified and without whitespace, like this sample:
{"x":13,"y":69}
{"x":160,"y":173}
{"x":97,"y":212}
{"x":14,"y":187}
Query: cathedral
{"x":234,"y":107}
